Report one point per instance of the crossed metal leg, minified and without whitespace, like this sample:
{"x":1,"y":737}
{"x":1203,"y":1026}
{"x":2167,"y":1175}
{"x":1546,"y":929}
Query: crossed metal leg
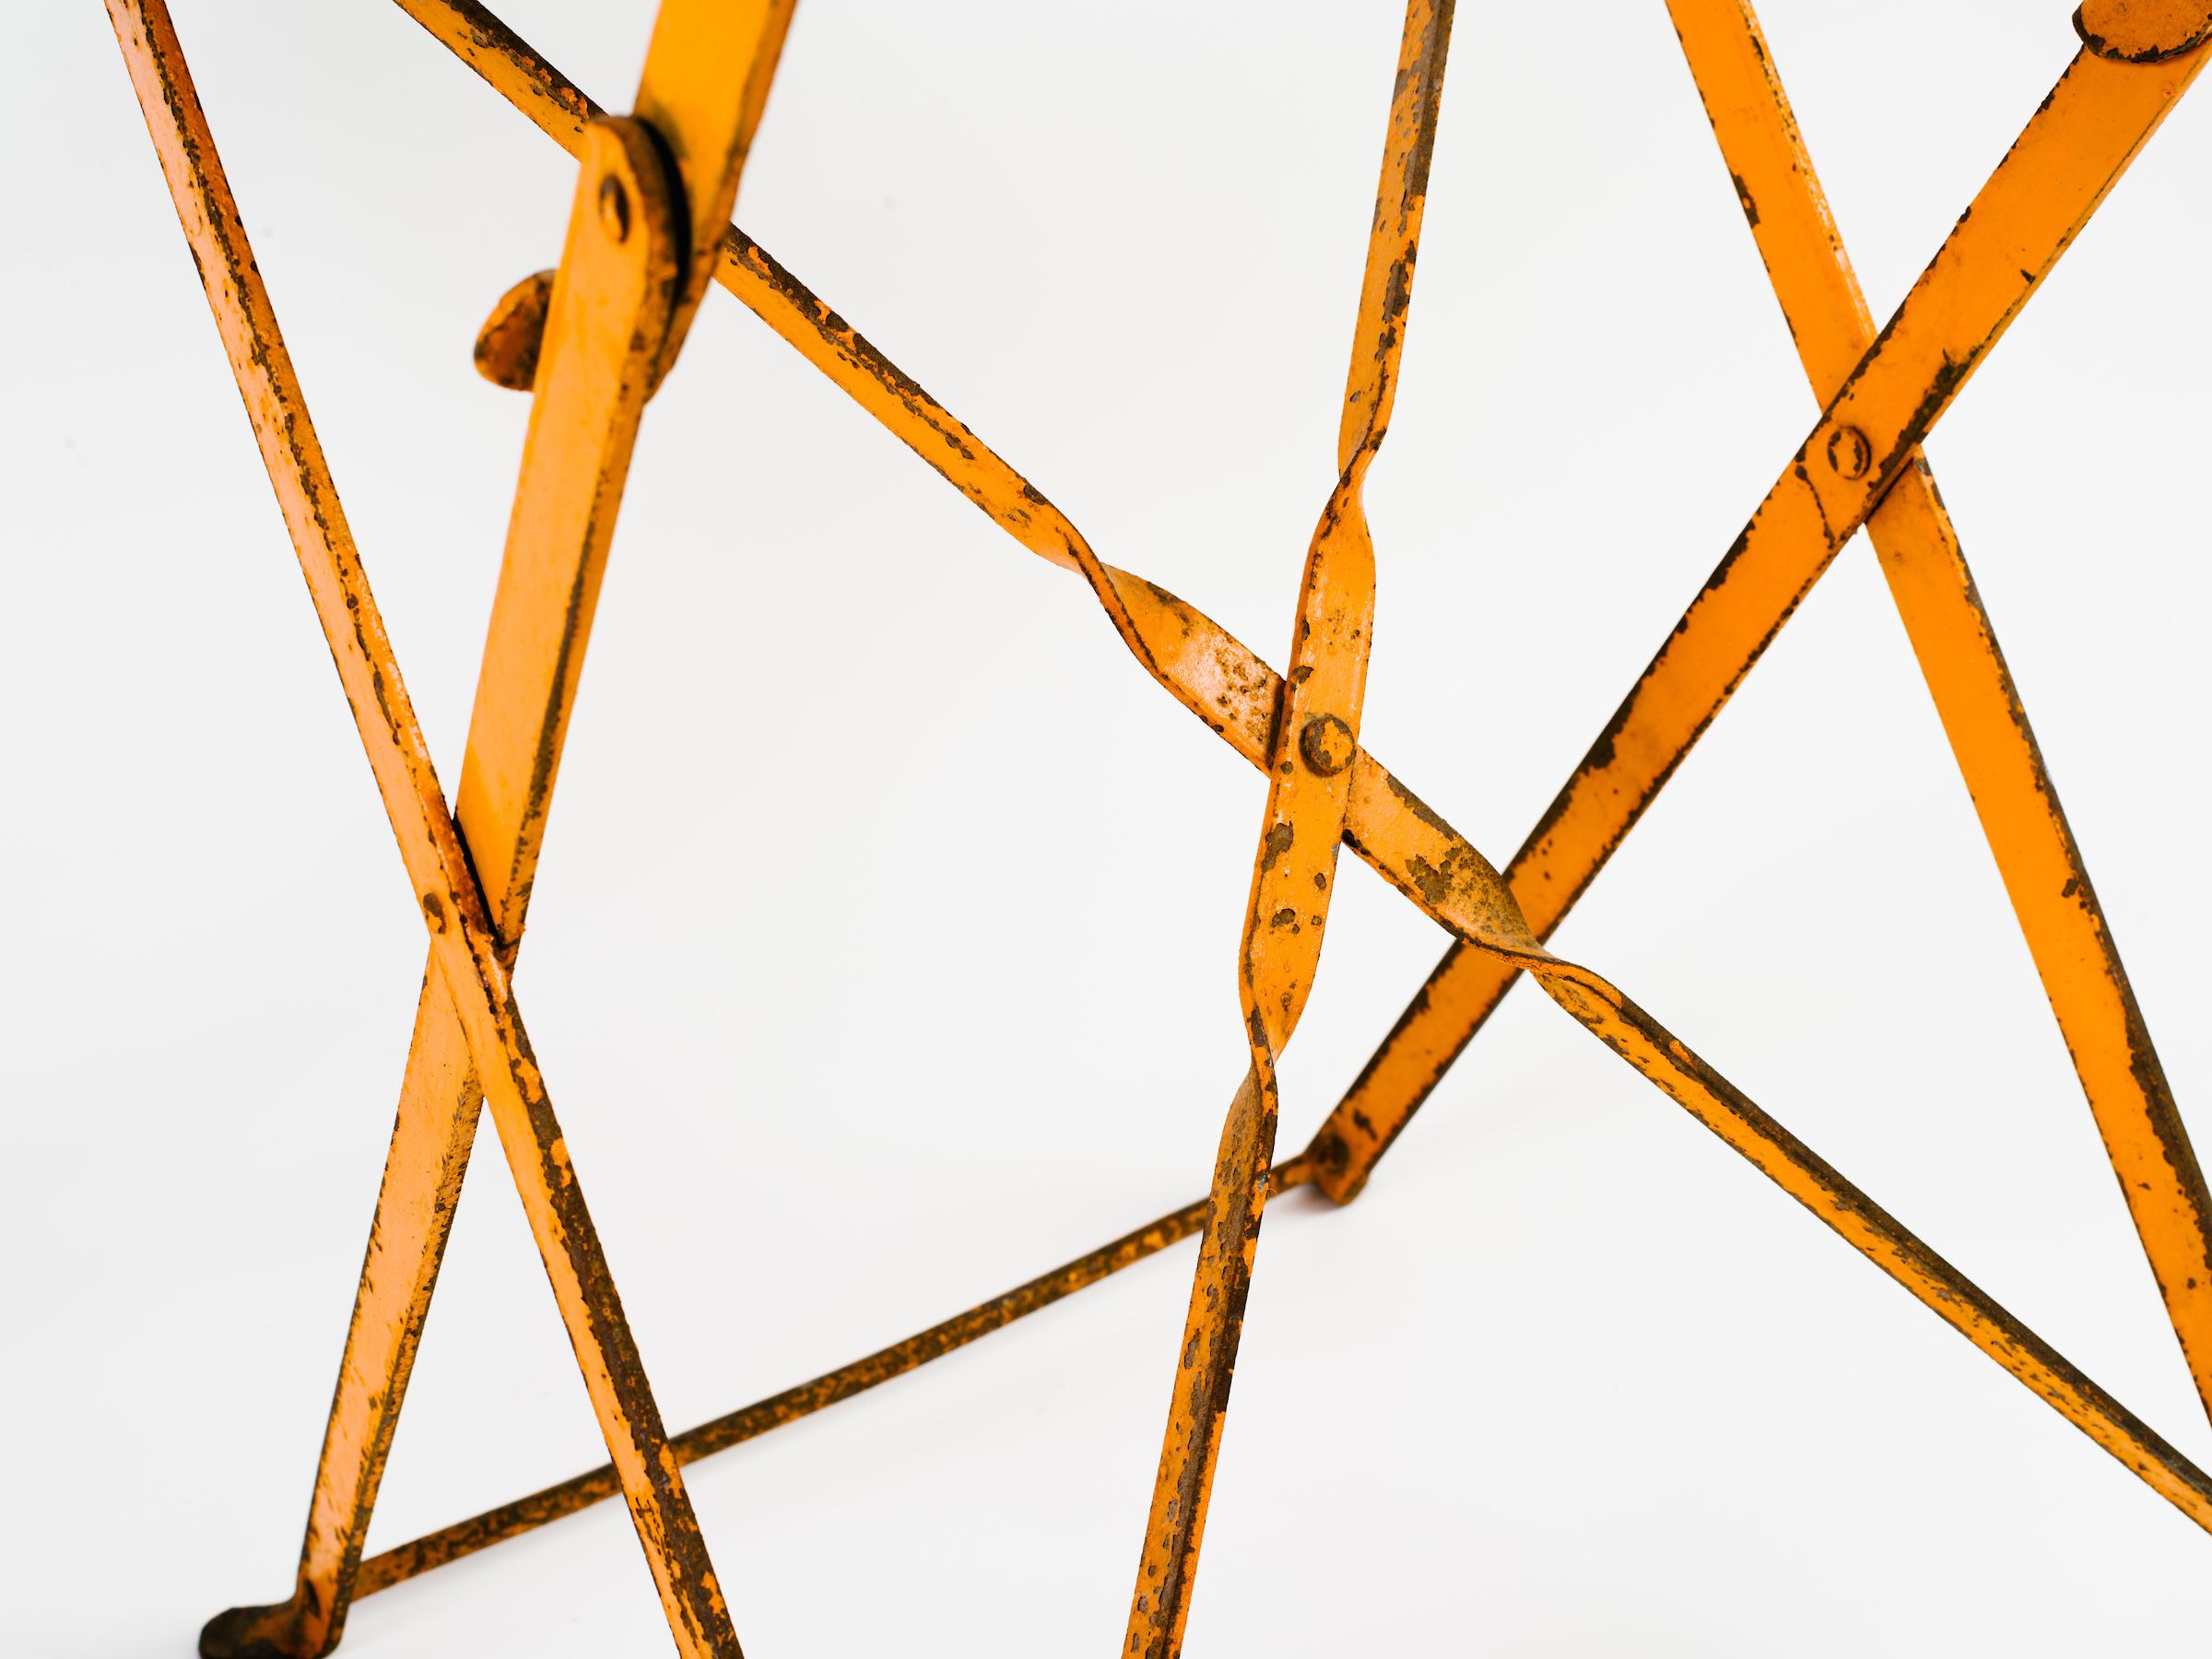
{"x":625,"y":291}
{"x":646,"y":231}
{"x":1982,"y":714}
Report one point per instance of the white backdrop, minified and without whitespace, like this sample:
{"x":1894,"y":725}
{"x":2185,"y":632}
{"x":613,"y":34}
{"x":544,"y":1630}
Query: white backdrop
{"x":883,"y":951}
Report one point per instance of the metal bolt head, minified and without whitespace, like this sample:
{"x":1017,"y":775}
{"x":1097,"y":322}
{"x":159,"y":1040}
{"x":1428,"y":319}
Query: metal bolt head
{"x":1328,"y":744}
{"x":1849,"y":454}
{"x":614,"y":209}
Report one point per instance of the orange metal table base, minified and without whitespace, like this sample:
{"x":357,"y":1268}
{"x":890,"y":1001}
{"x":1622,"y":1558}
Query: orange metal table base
{"x":592,"y":340}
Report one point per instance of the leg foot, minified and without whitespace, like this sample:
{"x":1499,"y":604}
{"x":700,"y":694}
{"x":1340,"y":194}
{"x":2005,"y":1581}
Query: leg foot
{"x":279,"y":1632}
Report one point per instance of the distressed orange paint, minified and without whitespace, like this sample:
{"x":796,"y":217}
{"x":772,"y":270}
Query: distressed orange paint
{"x":622,"y":272}
{"x":2072,"y":152}
{"x":647,"y":229}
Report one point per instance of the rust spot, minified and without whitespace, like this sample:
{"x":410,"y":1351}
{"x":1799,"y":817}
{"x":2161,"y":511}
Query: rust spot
{"x":1743,"y":197}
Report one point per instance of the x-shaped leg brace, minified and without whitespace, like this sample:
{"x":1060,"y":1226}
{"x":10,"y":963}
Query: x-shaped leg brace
{"x":618,"y":309}
{"x":2138,"y":60}
{"x":1755,"y":591}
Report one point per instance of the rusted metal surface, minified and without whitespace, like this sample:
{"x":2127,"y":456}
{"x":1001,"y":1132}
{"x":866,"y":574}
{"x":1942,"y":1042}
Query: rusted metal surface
{"x":1881,"y":401}
{"x":642,"y":238}
{"x":1316,"y":737}
{"x":1972,"y":689}
{"x":702,"y":93}
{"x":603,"y":320}
{"x":594,"y":1485}
{"x":608,"y":320}
{"x":2142,"y":32}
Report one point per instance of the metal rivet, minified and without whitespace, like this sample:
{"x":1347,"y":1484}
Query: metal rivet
{"x":1849,"y":454}
{"x":614,"y":209}
{"x":1327,"y":744}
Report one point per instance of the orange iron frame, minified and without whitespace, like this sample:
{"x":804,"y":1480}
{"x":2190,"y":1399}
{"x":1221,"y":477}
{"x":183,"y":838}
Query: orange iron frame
{"x":592,"y":340}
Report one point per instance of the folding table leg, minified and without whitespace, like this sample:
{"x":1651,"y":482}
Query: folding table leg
{"x":541,"y":621}
{"x":467,"y":1019}
{"x":1974,"y":696}
{"x":430,"y":1152}
{"x":608,"y":329}
{"x":1967,"y":677}
{"x":1315,"y":739}
{"x":585,"y":420}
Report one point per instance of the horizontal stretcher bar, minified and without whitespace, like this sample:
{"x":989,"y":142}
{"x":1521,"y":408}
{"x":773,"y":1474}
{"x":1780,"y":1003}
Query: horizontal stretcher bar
{"x":581,"y":1491}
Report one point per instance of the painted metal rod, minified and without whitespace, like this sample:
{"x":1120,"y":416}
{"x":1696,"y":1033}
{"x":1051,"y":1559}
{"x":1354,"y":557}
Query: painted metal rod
{"x":579,"y":1492}
{"x":1957,"y":647}
{"x":463,"y":936}
{"x":1417,"y":851}
{"x":2082,"y":136}
{"x":609,"y":306}
{"x":559,"y":108}
{"x":1420,"y":854}
{"x":2072,"y":151}
{"x":1294,"y":867}
{"x":583,"y":423}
